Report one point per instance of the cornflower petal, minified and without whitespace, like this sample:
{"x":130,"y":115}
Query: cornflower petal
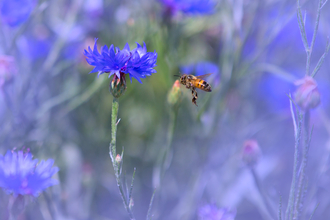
{"x":142,"y":65}
{"x":108,"y":61}
{"x":140,"y":50}
{"x":138,"y":63}
{"x":127,"y":47}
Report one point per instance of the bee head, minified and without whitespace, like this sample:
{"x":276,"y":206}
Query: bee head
{"x":182,"y":78}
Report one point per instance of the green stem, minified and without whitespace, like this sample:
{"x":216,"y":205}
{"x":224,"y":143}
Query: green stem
{"x":10,"y":206}
{"x":289,"y":210}
{"x":163,"y":156}
{"x":309,"y":52}
{"x":49,"y":205}
{"x":170,"y":132}
{"x":112,"y":152}
{"x":150,"y":205}
{"x":112,"y":147}
{"x":307,"y":137}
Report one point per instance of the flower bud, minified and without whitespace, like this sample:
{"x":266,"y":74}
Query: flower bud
{"x":251,"y":152}
{"x":118,"y":85}
{"x":307,"y":95}
{"x":118,"y":159}
{"x":175,"y":94}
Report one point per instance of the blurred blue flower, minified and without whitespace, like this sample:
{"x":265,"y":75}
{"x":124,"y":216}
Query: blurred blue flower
{"x":20,"y":174}
{"x":138,"y":63}
{"x":37,"y":43}
{"x":191,"y":7}
{"x":34,"y":48}
{"x":200,"y":68}
{"x":16,"y":12}
{"x":272,"y":92}
{"x":93,"y":8}
{"x":212,"y":212}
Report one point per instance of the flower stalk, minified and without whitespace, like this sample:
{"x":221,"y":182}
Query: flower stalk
{"x":170,"y":132}
{"x":297,"y":133}
{"x":301,"y":184}
{"x":162,"y":165}
{"x":117,"y":165}
{"x":257,"y":182}
{"x":117,"y":162}
{"x":112,"y":148}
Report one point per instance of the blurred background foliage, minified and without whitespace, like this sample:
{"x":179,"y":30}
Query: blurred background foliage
{"x":51,"y":105}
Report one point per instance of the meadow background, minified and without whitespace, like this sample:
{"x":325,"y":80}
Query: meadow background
{"x":50,"y":105}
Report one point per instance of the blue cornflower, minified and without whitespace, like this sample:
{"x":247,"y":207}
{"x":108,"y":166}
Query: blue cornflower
{"x":191,"y":7}
{"x":138,"y":63}
{"x":20,"y":174}
{"x":16,"y":12}
{"x":212,"y":212}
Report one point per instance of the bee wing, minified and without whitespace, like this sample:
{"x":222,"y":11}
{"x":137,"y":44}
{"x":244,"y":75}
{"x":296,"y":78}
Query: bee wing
{"x":203,"y":76}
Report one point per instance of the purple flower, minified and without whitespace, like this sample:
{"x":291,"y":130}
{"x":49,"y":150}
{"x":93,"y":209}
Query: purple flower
{"x":191,"y":7}
{"x":16,"y":12}
{"x":138,"y":63}
{"x":212,"y":212}
{"x":20,"y":174}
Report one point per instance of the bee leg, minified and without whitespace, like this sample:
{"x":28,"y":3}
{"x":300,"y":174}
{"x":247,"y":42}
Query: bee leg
{"x":195,"y":96}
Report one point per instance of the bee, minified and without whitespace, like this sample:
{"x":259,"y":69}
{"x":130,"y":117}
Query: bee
{"x":192,"y":82}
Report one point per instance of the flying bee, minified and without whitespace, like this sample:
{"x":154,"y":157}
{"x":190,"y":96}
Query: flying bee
{"x":192,"y":82}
